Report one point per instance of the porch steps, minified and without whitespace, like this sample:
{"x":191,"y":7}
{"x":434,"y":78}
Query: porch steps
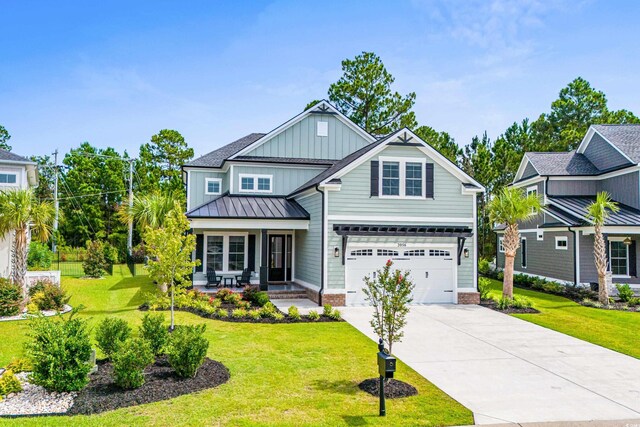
{"x":291,"y":294}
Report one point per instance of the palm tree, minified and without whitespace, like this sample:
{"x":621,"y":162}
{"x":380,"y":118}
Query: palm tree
{"x":598,"y":213}
{"x":23,"y":215}
{"x":149,"y":210}
{"x":508,"y":207}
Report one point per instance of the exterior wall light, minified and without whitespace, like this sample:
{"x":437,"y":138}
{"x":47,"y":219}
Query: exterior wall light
{"x":627,"y":241}
{"x":336,"y":252}
{"x":466,"y":252}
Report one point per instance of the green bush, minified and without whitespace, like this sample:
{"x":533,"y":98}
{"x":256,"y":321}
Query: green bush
{"x":155,"y":332}
{"x":484,"y":287}
{"x":500,"y":276}
{"x":60,"y":351}
{"x":278,"y":316}
{"x":9,"y":383}
{"x":254,"y":314}
{"x":110,"y":335}
{"x":10,"y":297}
{"x":261,"y":299}
{"x":129,"y":362}
{"x":634,"y":302}
{"x":249,"y":293}
{"x":313,"y":315}
{"x":327,"y":309}
{"x":294,"y":313}
{"x":187,"y":349}
{"x":224,"y":294}
{"x":39,"y":256}
{"x":625,"y":293}
{"x":95,"y":263}
{"x":335,"y":314}
{"x":222,"y":313}
{"x":234,"y":299}
{"x":268,"y":310}
{"x":484,"y":267}
{"x":239,"y":313}
{"x":111,"y":255}
{"x":48,"y":296}
{"x":519,"y":302}
{"x":21,"y":364}
{"x":553,"y":288}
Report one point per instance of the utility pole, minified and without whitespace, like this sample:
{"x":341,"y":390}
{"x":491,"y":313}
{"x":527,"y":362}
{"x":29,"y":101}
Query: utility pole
{"x":130,"y":237}
{"x":55,"y":201}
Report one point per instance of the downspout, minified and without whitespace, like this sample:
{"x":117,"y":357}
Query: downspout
{"x":322,"y":248}
{"x":575,"y":256}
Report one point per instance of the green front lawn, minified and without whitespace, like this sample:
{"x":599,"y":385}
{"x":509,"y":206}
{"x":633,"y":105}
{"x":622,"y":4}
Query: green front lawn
{"x":617,"y":330}
{"x":283,"y":374}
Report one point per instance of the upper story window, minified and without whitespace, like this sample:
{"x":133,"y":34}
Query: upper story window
{"x":532,"y":190}
{"x":213,"y":186}
{"x":402,"y":177}
{"x":256,"y":183}
{"x":501,"y":245}
{"x":8,"y":178}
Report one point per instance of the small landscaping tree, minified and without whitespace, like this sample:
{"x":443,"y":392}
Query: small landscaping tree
{"x":508,"y":207}
{"x":94,"y":263}
{"x":169,"y":248}
{"x":390,"y":296}
{"x":598,"y":212}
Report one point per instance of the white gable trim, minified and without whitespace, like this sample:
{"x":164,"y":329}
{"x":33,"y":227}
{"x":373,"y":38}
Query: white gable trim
{"x":425,"y":148}
{"x":523,"y":166}
{"x":299,"y":118}
{"x":589,"y":136}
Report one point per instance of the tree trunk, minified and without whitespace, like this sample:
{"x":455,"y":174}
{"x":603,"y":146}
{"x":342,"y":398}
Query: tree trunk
{"x":163,"y":287}
{"x":507,"y":282}
{"x":19,"y":260}
{"x":600,"y":259}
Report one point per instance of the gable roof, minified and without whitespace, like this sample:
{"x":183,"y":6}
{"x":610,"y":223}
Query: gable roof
{"x":359,"y":156}
{"x":626,"y":138}
{"x":217,"y":157}
{"x":322,"y":107}
{"x":562,"y":163}
{"x":12,"y":157}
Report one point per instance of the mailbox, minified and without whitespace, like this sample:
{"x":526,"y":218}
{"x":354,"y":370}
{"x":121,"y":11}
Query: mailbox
{"x":386,"y":365}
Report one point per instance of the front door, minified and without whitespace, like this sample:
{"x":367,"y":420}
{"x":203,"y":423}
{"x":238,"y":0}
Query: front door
{"x":279,"y":257}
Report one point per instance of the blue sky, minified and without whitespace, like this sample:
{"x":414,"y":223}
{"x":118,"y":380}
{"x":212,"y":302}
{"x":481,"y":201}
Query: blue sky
{"x":114,"y":73}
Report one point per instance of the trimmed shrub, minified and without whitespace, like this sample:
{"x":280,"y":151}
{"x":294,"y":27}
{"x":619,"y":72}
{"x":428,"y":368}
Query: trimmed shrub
{"x":110,"y":335}
{"x":278,"y":316}
{"x":484,"y":286}
{"x":294,"y":313}
{"x":48,"y":296}
{"x":254,"y":314}
{"x":553,"y":288}
{"x":245,"y":305}
{"x":335,"y":314}
{"x":239,"y":313}
{"x":129,"y":362}
{"x":10,"y":297}
{"x":625,"y":293}
{"x":21,"y":364}
{"x":60,"y":351}
{"x":223,"y":294}
{"x":9,"y":383}
{"x":249,"y":293}
{"x":39,"y":256}
{"x":327,"y":309}
{"x":95,"y":263}
{"x":233,"y":299}
{"x":187,"y":349}
{"x":261,"y":299}
{"x":484,"y":267}
{"x":519,"y":302}
{"x":155,"y":332}
{"x":268,"y":310}
{"x":634,"y":302}
{"x":313,"y":315}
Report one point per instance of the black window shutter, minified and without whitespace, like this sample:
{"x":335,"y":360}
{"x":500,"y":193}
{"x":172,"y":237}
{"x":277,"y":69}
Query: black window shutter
{"x":251,"y":261}
{"x":428,"y":180}
{"x":375,"y":177}
{"x":199,"y":250}
{"x":633,"y":262}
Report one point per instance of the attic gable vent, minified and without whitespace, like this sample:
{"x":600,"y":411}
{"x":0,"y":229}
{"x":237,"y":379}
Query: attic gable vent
{"x":322,"y":128}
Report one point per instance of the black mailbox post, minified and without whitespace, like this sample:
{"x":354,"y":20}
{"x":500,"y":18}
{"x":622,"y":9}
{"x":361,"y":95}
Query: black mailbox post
{"x":386,"y":368}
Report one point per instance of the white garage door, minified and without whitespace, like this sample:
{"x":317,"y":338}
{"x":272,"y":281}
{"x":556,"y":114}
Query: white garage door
{"x":431,"y":270}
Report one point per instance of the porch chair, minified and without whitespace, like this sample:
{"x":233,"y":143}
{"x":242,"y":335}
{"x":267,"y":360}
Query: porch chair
{"x":213,"y":280}
{"x":244,"y":278}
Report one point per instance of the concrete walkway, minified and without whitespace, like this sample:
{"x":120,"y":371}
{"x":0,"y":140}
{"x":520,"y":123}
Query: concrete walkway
{"x":507,"y":370}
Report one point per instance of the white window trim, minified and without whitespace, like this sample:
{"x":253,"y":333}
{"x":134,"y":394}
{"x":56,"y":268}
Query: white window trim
{"x":501,"y":245}
{"x":206,"y":186}
{"x":562,"y":239}
{"x":618,"y":239}
{"x":402,"y":164}
{"x":225,"y":252}
{"x":255,"y":183}
{"x":12,"y":184}
{"x":532,"y":189}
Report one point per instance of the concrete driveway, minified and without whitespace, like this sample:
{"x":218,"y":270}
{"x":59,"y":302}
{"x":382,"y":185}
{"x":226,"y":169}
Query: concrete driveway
{"x":507,"y":370}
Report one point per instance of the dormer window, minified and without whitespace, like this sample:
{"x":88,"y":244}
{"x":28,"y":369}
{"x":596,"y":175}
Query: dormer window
{"x":256,"y":183}
{"x":213,"y":186}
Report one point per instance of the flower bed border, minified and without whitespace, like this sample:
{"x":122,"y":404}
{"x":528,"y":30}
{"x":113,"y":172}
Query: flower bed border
{"x":46,"y":313}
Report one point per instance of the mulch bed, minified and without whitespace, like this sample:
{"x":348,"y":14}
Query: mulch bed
{"x":489,"y":303}
{"x":287,"y":319}
{"x":616,"y":306}
{"x":161,"y":383}
{"x":392,"y":388}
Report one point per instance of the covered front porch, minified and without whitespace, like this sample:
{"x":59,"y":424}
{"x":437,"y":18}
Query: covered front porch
{"x":254,"y":235}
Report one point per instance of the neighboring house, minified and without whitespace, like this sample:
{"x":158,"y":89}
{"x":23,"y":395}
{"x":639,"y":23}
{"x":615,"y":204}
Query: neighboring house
{"x":320,"y":203}
{"x":558,"y":242}
{"x":16,"y":172}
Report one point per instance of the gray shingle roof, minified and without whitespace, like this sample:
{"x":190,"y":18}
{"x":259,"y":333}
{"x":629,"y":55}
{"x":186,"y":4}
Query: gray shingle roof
{"x":8,"y":155}
{"x":563,"y":163}
{"x":217,"y":157}
{"x":625,"y":137}
{"x":254,"y":207}
{"x":576,"y":206}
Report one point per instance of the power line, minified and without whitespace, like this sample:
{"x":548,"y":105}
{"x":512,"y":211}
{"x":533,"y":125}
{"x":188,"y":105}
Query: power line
{"x":77,"y":205}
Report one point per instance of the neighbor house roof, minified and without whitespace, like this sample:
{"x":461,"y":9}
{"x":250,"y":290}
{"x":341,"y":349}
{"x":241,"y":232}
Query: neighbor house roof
{"x":254,"y":207}
{"x":625,"y":137}
{"x":8,"y":155}
{"x":217,"y":157}
{"x":577,"y":207}
{"x":562,"y":163}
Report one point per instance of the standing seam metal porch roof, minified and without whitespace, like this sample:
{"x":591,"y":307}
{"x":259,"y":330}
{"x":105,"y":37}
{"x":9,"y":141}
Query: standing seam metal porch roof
{"x":577,"y":206}
{"x":250,"y":207}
